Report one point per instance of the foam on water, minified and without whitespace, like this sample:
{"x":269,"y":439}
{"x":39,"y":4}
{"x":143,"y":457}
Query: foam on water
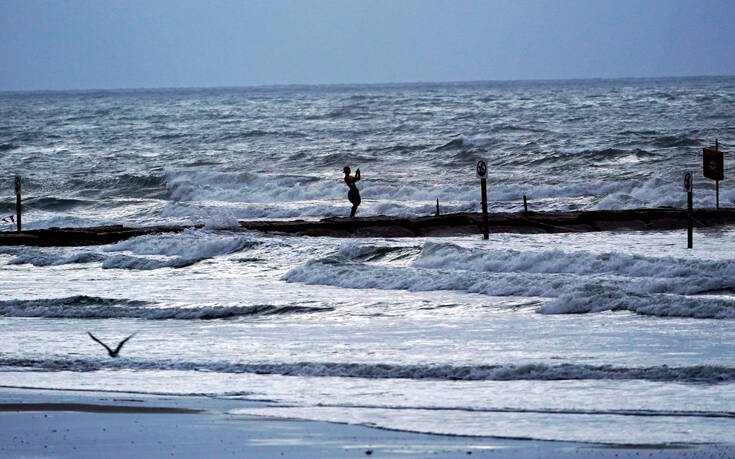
{"x":508,"y":372}
{"x":144,"y":252}
{"x":85,"y":307}
{"x":372,"y":330}
{"x":577,"y":282}
{"x":50,"y":257}
{"x":249,"y":195}
{"x":180,"y":250}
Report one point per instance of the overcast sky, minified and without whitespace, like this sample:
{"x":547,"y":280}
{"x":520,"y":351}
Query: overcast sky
{"x":87,"y":44}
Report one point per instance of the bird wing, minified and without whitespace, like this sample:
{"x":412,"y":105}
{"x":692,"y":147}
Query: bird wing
{"x":103,"y":344}
{"x":119,"y":346}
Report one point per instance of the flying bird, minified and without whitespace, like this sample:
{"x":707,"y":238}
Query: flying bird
{"x":112,"y":353}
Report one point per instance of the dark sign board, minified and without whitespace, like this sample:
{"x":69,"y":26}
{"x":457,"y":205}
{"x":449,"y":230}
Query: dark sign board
{"x":688,"y":182}
{"x":713,"y":164}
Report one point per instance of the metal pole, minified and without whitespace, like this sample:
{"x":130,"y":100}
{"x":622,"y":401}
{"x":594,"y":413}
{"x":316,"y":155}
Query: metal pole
{"x":717,"y":182}
{"x":483,"y":184}
{"x":17,"y":211}
{"x":690,"y":221}
{"x":17,"y":202}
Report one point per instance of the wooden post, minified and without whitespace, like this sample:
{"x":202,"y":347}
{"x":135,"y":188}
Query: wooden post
{"x":525,"y":205}
{"x":481,"y":168}
{"x":689,"y":188}
{"x":437,"y":207}
{"x":690,"y":221}
{"x":717,"y":182}
{"x":17,"y":202}
{"x":483,"y":184}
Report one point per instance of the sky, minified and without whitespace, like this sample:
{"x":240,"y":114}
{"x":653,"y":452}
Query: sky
{"x":103,"y":44}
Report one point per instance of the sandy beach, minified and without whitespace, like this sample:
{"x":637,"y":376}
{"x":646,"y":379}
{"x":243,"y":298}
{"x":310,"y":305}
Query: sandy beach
{"x":43,"y":423}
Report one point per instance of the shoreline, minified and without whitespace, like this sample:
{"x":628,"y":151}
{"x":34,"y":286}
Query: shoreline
{"x":57,"y":422}
{"x":456,"y":224}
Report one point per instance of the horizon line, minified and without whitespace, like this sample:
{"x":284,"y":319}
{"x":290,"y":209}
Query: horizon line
{"x":367,"y":84}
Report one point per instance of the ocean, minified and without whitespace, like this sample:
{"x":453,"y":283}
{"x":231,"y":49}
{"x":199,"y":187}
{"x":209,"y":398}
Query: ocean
{"x":609,"y":337}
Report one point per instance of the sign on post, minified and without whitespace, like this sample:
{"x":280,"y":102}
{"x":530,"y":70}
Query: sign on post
{"x":481,"y":169}
{"x":688,"y":184}
{"x":713,"y":164}
{"x":713,"y":167}
{"x":18,"y":215}
{"x":688,"y":187}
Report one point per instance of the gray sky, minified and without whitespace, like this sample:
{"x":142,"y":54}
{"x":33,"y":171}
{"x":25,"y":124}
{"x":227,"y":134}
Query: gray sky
{"x":86,"y":44}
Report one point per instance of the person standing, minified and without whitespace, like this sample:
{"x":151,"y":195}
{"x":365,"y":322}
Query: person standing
{"x":354,"y":194}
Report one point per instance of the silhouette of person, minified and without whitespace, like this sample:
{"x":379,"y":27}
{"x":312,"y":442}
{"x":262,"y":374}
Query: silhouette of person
{"x":354,"y":194}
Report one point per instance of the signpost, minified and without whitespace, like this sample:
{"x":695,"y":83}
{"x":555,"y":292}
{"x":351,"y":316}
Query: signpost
{"x":481,"y":168}
{"x":688,"y":186}
{"x":17,"y":201}
{"x":713,"y":167}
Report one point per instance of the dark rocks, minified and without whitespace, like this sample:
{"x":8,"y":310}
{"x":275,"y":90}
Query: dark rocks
{"x":471,"y":223}
{"x":68,"y":237}
{"x":383,"y":226}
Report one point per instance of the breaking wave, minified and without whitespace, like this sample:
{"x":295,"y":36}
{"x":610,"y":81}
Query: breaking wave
{"x":88,"y":307}
{"x":508,"y":372}
{"x":259,"y":195}
{"x":179,"y":250}
{"x":248,"y":187}
{"x":452,"y":256}
{"x":39,"y":257}
{"x":123,"y":185}
{"x":145,"y":252}
{"x":574,"y":282}
{"x":604,"y":412}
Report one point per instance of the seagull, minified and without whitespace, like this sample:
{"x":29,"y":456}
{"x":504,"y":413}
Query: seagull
{"x":117,"y":349}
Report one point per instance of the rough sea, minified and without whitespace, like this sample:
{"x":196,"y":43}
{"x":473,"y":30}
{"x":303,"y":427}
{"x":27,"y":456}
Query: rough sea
{"x":610,"y":337}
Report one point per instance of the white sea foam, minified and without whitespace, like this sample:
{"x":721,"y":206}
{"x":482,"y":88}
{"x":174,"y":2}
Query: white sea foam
{"x":42,"y":219}
{"x":248,"y":187}
{"x":221,"y":221}
{"x":506,"y":372}
{"x":590,"y":298}
{"x":575,"y":282}
{"x":86,"y":307}
{"x":145,"y":252}
{"x":178,"y":250}
{"x":51,"y":257}
{"x":452,"y":256}
{"x":282,"y":196}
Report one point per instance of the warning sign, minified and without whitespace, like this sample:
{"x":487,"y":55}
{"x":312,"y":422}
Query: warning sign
{"x":481,"y":168}
{"x":713,"y":164}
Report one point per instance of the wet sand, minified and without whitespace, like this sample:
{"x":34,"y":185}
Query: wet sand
{"x":57,"y":423}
